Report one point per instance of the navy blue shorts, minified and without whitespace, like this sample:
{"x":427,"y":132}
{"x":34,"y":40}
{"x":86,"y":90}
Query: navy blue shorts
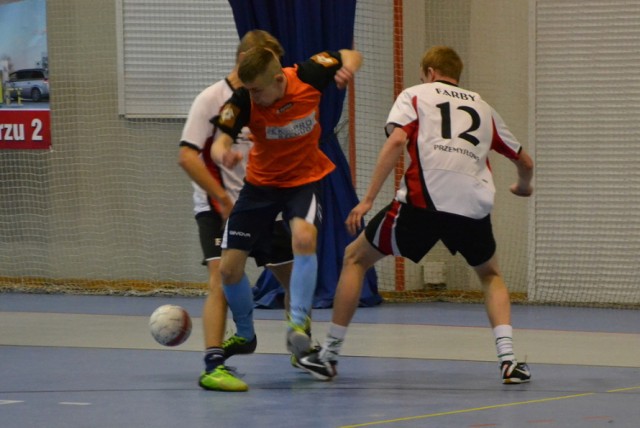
{"x":403,"y":230}
{"x":273,"y":247}
{"x":257,"y":208}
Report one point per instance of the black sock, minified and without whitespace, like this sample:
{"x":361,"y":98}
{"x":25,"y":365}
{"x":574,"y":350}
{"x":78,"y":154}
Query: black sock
{"x":213,"y":357}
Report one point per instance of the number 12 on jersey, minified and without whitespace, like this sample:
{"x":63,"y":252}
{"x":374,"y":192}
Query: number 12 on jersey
{"x":445,"y":113}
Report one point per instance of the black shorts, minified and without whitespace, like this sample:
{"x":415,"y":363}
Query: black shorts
{"x":272,"y":249}
{"x":403,"y":230}
{"x":257,"y":208}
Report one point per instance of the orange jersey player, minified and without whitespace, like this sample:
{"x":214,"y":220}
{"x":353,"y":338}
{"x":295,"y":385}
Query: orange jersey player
{"x":280,"y":106}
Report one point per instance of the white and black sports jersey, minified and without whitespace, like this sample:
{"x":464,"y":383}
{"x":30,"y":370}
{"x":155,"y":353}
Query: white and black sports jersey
{"x":199,"y":133}
{"x":450,"y":133}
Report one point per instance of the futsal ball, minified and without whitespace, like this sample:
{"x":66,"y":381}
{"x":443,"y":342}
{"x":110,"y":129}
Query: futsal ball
{"x":170,"y":325}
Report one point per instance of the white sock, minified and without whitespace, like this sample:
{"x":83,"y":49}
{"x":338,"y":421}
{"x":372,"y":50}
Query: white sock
{"x":333,"y":342}
{"x":337,"y":331}
{"x":504,"y":342}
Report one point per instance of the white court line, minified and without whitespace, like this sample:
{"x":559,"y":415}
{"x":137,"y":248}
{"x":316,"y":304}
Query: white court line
{"x":434,"y":342}
{"x":10,"y":402}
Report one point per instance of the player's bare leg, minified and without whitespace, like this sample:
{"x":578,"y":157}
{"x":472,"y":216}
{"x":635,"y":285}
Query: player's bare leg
{"x":360,"y":255}
{"x":232,"y":265}
{"x":214,"y":311}
{"x":498,"y":307}
{"x":496,"y":295}
{"x":282,"y":273}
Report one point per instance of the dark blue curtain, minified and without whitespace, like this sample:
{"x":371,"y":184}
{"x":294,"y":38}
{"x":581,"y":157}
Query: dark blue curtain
{"x":305,"y":28}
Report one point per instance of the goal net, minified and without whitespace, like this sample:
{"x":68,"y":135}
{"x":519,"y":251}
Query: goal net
{"x":108,"y":210}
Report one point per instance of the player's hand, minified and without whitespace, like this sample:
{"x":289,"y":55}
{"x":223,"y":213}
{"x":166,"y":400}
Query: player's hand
{"x":226,"y":205}
{"x":520,"y":190}
{"x":343,"y":77}
{"x":230,"y":158}
{"x":354,"y":220}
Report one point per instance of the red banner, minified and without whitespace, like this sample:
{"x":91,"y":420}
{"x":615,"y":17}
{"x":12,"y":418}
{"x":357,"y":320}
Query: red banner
{"x":25,"y":129}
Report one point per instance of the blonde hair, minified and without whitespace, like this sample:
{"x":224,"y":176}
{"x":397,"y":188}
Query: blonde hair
{"x":259,"y":62}
{"x":255,"y":38}
{"x":443,"y":59}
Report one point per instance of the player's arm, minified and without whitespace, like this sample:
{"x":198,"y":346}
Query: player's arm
{"x":190,"y":161}
{"x":195,"y":133}
{"x":505,"y":143}
{"x":388,"y":157}
{"x":330,"y":66}
{"x":222,"y":153}
{"x":524,"y":166}
{"x":233,"y":116}
{"x":351,"y":62}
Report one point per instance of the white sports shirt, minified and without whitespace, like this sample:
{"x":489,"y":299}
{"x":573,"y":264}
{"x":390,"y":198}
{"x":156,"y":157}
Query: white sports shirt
{"x":199,"y":133}
{"x":451,"y":131}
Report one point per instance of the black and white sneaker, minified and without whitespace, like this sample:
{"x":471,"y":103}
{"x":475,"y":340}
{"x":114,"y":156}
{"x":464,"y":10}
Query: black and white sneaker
{"x":322,"y":370}
{"x":513,"y":372}
{"x":294,"y":360}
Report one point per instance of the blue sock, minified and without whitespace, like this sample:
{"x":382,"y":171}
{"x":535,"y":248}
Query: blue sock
{"x":303,"y":286}
{"x":240,"y":300}
{"x":213,"y":357}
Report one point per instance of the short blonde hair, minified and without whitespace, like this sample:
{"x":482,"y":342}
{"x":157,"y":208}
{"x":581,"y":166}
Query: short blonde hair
{"x":255,"y":38}
{"x":259,"y":62}
{"x":443,"y":59}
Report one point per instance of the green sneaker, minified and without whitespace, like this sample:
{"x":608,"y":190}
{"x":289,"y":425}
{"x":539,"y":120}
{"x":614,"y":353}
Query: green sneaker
{"x":306,"y":327}
{"x":221,"y":380}
{"x":239,"y":345}
{"x":293,"y":358}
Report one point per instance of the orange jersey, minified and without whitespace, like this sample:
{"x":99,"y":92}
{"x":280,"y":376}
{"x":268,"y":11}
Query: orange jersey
{"x":286,"y":134}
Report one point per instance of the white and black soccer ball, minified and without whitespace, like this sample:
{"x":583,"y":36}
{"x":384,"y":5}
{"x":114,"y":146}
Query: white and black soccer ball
{"x":170,"y":325}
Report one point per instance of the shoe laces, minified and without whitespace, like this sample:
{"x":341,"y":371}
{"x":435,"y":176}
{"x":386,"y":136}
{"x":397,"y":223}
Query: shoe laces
{"x":234,"y":340}
{"x":230,"y":370}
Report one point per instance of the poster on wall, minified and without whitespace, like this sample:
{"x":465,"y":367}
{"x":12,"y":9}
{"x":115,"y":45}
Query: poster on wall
{"x":24,"y":75}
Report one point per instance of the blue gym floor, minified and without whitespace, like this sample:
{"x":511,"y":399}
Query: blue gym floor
{"x":89,"y":361}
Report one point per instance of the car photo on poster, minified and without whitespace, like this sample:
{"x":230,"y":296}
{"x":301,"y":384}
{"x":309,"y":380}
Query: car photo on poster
{"x":25,"y":91}
{"x":24,"y":58}
{"x":30,"y":83}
